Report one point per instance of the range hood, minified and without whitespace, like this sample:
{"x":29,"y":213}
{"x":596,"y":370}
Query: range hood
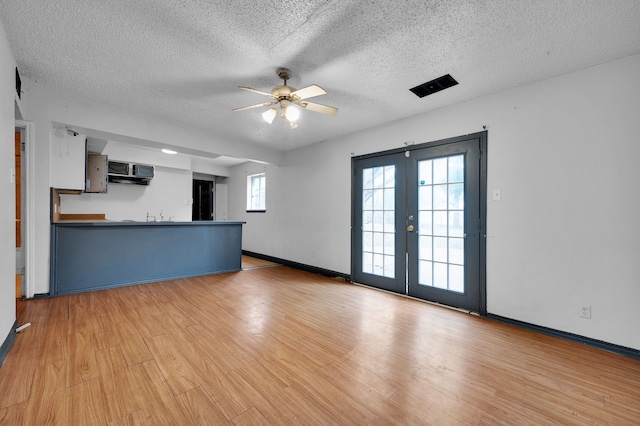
{"x":130,"y":173}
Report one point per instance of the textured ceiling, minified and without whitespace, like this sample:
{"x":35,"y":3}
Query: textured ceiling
{"x":180,"y":61}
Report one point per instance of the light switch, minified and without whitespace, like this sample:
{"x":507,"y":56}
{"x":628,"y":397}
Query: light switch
{"x":497,"y":195}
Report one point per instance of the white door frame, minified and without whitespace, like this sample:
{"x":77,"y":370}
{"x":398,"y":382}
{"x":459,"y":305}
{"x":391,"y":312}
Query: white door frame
{"x":28,"y":246}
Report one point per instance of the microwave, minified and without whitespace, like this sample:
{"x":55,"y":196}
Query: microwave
{"x":123,"y":172}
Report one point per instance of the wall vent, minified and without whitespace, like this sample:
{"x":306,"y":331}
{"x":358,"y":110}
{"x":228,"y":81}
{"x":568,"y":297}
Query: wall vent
{"x":434,"y":86}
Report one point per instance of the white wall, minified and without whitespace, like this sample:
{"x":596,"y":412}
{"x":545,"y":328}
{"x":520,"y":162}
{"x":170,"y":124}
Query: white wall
{"x":169,"y":192}
{"x":221,"y":204}
{"x":7,"y":188}
{"x":563,"y":151}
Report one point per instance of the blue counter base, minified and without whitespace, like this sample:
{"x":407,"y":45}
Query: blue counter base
{"x":88,"y":257}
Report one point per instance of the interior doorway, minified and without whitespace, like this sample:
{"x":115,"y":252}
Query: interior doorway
{"x":419,"y":220}
{"x":203,"y":200}
{"x":19,"y":148}
{"x":25,"y":254}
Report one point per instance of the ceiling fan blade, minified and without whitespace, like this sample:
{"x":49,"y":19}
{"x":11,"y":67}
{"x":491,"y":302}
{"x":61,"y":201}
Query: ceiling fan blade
{"x":254,"y":106}
{"x":323,"y":109}
{"x":259,"y":92}
{"x":308,"y":92}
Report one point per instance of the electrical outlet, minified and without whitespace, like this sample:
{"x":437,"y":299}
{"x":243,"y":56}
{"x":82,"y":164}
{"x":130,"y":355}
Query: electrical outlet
{"x":585,"y":311}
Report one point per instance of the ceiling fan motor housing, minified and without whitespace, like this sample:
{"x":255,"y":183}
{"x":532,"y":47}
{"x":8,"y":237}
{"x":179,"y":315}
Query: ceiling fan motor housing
{"x":283,"y":91}
{"x":286,"y":96}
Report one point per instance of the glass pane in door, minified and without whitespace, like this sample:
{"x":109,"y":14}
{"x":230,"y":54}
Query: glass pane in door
{"x":441,"y":223}
{"x":378,"y":220}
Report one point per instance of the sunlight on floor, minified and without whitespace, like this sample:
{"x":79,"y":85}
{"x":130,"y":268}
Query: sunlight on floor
{"x":255,"y":263}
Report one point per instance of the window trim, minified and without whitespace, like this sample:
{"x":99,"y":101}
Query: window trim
{"x":249,"y":193}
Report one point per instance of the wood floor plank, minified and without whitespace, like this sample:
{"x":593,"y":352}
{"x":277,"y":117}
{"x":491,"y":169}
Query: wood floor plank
{"x":288,"y":364}
{"x":106,"y":335}
{"x":137,"y":418}
{"x":85,"y":404}
{"x":13,"y":415}
{"x":280,"y":346}
{"x":307,"y":408}
{"x":199,"y":409}
{"x":128,"y":304}
{"x":59,"y":309}
{"x":223,"y":352}
{"x":117,"y":384}
{"x":17,"y":375}
{"x":81,"y":361}
{"x":46,"y":404}
{"x":327,"y":397}
{"x":176,"y":370}
{"x":54,"y":346}
{"x":28,"y":353}
{"x":369,"y":389}
{"x":235,"y":395}
{"x":133,"y":347}
{"x":249,"y":262}
{"x":155,"y":396}
{"x":251,"y":417}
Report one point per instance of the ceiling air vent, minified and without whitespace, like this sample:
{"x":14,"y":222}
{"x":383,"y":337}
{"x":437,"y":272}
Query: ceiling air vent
{"x":434,"y":86}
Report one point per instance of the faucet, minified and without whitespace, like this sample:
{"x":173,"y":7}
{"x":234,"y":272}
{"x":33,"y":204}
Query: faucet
{"x":161,"y":216}
{"x":149,"y":216}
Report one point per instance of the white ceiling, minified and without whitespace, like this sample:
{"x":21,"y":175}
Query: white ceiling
{"x":180,"y":62}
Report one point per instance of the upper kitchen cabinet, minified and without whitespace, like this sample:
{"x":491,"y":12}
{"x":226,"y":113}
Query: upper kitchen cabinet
{"x":97,"y":168}
{"x":68,"y":158}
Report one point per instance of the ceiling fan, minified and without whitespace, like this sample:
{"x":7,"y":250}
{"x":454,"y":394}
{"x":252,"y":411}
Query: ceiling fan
{"x":288,"y":99}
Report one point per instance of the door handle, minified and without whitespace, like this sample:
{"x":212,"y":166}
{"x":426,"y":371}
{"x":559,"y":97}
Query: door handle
{"x":410,"y":228}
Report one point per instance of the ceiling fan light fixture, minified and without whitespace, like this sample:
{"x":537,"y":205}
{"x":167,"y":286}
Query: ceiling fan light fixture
{"x":269,"y":115}
{"x":288,"y":101}
{"x":292,"y":113}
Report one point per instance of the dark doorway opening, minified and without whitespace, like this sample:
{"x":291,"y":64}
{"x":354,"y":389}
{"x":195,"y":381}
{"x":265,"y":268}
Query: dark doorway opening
{"x":203,"y":196}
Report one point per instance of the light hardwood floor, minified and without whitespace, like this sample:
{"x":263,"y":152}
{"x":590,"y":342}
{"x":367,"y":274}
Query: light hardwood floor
{"x":249,"y":262}
{"x":276,"y":346}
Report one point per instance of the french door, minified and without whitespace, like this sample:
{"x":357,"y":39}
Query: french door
{"x":419,"y":220}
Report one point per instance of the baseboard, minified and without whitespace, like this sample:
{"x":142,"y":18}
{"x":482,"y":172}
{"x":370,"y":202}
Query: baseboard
{"x":8,"y":342}
{"x":301,"y":266}
{"x":610,"y":347}
{"x":41,"y":295}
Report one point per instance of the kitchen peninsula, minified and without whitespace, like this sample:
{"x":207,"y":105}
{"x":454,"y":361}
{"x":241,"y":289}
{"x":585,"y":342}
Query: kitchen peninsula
{"x":93,"y":255}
